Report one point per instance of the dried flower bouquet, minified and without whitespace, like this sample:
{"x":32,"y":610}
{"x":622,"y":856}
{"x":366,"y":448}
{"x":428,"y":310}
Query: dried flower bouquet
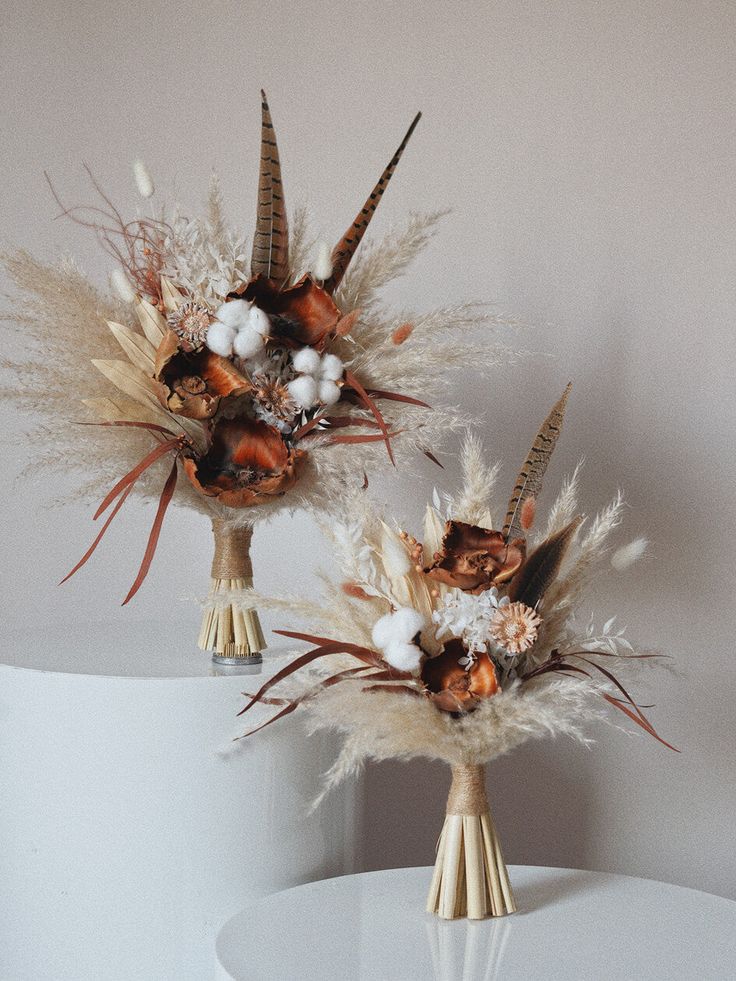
{"x":266,"y":384}
{"x":460,"y":648}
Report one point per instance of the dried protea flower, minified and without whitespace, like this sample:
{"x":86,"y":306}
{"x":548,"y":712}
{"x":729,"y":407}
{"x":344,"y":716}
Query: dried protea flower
{"x":247,"y":462}
{"x":515,"y":627}
{"x":475,"y":559}
{"x":455,"y":682}
{"x":194,"y":383}
{"x":190,"y":322}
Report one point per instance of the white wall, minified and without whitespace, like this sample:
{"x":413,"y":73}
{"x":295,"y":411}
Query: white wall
{"x":587,"y":150}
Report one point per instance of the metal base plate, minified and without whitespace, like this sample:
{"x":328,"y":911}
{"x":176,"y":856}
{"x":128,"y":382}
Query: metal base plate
{"x":255,"y":658}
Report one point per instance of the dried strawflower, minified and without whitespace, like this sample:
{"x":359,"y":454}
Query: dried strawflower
{"x":190,"y":322}
{"x":515,"y":627}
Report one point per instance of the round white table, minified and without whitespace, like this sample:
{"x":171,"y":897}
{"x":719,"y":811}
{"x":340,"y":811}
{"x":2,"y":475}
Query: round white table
{"x":131,"y":825}
{"x":571,"y":925}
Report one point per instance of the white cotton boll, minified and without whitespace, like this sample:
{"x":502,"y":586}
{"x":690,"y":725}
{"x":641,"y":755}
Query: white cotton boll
{"x":403,"y":656}
{"x":306,"y":361}
{"x":122,"y":286}
{"x":143,"y":179}
{"x":220,"y":338}
{"x":235,"y":314}
{"x":248,"y":343}
{"x":329,"y":393}
{"x":304,"y":391}
{"x":407,"y":622}
{"x":259,"y":321}
{"x":399,"y":627}
{"x":627,"y":555}
{"x":331,"y":367}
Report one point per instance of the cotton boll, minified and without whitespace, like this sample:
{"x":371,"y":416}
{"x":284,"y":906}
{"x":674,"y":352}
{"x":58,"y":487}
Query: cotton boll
{"x":304,"y":391}
{"x":396,"y":628}
{"x":259,"y":321}
{"x":220,"y":339}
{"x":143,"y":179}
{"x":329,"y":393}
{"x":331,"y":367}
{"x":403,"y":656}
{"x":248,"y":343}
{"x":122,"y":286}
{"x":306,"y":361}
{"x":235,"y":314}
{"x":627,"y":555}
{"x":407,"y":622}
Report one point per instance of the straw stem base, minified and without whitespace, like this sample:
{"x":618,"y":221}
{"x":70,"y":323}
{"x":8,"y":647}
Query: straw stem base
{"x":470,"y":877}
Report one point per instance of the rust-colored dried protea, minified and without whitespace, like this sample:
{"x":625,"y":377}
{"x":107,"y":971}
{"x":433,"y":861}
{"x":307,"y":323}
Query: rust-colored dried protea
{"x":247,"y":462}
{"x":474,"y":559}
{"x":455,"y":682}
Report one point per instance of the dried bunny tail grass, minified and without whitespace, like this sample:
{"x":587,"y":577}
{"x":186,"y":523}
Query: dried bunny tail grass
{"x":380,"y":262}
{"x":383,"y":725}
{"x":565,"y":507}
{"x":473,"y":503}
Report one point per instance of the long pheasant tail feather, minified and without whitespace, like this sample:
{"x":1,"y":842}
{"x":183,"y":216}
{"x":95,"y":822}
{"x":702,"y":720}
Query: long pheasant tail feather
{"x":529,"y":482}
{"x":345,"y":248}
{"x":270,"y":255}
{"x":541,"y":568}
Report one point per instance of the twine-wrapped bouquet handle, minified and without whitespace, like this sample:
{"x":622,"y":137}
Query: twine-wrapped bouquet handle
{"x":230,"y":629}
{"x":470,"y":877}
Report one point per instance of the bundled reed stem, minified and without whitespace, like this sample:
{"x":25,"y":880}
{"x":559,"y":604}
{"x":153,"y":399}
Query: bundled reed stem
{"x":470,"y":877}
{"x":230,"y":630}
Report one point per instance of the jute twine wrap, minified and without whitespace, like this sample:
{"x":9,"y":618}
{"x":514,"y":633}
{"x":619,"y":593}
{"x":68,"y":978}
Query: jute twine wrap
{"x":468,"y":790}
{"x":232,"y":551}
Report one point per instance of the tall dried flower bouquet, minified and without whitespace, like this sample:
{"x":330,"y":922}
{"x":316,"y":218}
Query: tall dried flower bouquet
{"x":274,"y":383}
{"x":460,"y":648}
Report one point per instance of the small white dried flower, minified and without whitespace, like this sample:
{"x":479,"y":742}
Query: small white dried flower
{"x":143,"y":179}
{"x":122,"y":286}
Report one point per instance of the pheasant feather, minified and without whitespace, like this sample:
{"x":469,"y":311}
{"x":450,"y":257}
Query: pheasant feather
{"x":270,"y":255}
{"x":541,"y":568}
{"x":346,"y":247}
{"x":529,"y":482}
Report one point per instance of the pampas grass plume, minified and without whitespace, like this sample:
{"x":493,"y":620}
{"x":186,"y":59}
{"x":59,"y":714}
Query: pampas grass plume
{"x":627,"y":555}
{"x":143,"y":179}
{"x":122,"y":286}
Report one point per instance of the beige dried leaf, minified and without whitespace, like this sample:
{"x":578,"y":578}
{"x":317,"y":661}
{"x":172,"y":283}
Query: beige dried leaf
{"x":138,"y":348}
{"x":171,"y":296}
{"x":153,"y":324}
{"x":130,"y":380}
{"x":126,"y":410}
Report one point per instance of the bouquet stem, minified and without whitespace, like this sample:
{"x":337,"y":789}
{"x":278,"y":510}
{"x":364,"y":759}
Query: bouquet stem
{"x":230,"y":630}
{"x":470,"y":877}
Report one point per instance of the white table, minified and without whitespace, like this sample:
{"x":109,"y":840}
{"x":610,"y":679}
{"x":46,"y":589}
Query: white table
{"x":131,"y":826}
{"x":571,"y":925}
